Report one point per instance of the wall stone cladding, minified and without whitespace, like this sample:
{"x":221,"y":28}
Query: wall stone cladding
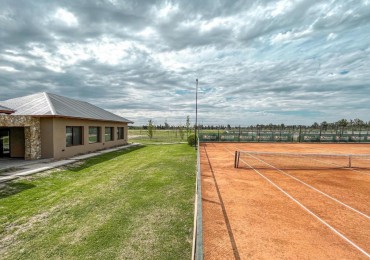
{"x":32,"y":133}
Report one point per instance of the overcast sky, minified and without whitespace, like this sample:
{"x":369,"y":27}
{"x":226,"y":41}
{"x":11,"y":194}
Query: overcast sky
{"x":292,"y":62}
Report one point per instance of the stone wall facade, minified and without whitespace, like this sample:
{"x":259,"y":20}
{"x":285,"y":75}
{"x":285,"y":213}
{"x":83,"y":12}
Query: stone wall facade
{"x":32,"y":132}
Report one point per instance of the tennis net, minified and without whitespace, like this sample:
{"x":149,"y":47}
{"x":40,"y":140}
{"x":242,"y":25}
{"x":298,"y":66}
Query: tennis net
{"x":269,"y":160}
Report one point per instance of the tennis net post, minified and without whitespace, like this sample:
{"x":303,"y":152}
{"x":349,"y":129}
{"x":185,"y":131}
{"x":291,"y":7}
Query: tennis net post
{"x":236,"y":159}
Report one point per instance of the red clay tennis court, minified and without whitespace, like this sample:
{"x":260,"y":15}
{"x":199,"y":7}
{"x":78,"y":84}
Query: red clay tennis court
{"x":274,"y":207}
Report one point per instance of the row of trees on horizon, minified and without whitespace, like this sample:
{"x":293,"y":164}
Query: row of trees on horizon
{"x":357,"y":123}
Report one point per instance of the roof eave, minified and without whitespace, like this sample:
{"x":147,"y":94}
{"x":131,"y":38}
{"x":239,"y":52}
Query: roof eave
{"x":82,"y":118}
{"x":8,"y":112}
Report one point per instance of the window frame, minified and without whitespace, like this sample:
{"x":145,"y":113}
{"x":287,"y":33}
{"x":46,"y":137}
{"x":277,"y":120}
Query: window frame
{"x":73,"y":134}
{"x":111,"y":134}
{"x":98,"y":135}
{"x":120,"y":134}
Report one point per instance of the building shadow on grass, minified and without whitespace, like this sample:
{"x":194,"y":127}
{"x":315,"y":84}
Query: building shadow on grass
{"x":83,"y":164}
{"x":11,"y":188}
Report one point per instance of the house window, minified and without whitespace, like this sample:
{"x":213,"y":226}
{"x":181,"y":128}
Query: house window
{"x":94,"y":134}
{"x":120,"y":133}
{"x":74,"y":135}
{"x":108,"y":134}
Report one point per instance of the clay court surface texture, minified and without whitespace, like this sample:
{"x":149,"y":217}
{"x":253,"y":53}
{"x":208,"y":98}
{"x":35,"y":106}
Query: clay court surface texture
{"x":255,"y":212}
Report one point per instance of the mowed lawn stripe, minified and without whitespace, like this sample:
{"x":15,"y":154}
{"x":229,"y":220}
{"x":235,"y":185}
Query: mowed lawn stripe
{"x":134,"y":204}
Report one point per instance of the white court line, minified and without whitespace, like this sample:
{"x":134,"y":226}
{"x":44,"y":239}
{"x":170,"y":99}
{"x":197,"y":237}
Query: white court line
{"x":306,"y":184}
{"x":306,"y":209}
{"x":309,"y":211}
{"x":350,"y":169}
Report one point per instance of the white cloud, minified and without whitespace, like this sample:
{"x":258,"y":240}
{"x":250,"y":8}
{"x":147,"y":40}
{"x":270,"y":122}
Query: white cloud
{"x":281,"y":7}
{"x":66,"y":17}
{"x":148,"y":33}
{"x":168,"y":9}
{"x":215,"y":23}
{"x":110,"y":52}
{"x":47,"y":59}
{"x":8,"y":69}
{"x":332,"y":36}
{"x":17,"y":59}
{"x":290,"y":36}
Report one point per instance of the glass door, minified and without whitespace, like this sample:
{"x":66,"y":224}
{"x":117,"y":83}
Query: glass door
{"x":4,"y":142}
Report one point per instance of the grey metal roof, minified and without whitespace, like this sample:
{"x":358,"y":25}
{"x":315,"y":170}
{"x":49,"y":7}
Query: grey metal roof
{"x":6,"y":110}
{"x":47,"y":104}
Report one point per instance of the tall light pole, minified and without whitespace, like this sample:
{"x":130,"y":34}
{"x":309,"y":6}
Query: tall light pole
{"x":196,"y":113}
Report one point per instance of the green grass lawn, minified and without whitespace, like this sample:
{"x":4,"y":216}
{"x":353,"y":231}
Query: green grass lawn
{"x":133,"y":204}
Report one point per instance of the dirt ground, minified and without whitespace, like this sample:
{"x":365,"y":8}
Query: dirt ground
{"x":271,"y":213}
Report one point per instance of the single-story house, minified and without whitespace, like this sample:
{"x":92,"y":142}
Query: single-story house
{"x":45,"y":125}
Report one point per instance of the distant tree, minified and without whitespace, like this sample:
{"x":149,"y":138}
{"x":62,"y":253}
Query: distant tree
{"x":324,"y":125}
{"x":150,"y":129}
{"x":181,"y":132}
{"x":343,"y":122}
{"x":358,"y":122}
{"x":315,"y":125}
{"x":187,"y":126}
{"x":166,"y":125}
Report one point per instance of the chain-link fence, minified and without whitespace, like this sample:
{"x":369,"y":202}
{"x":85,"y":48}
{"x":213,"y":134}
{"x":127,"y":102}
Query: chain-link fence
{"x":174,"y":135}
{"x":358,"y":134}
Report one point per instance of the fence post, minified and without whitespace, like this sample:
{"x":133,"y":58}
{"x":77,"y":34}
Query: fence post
{"x":236,"y":155}
{"x":359,"y":135}
{"x":280,"y":133}
{"x":350,"y":161}
{"x":239,"y":135}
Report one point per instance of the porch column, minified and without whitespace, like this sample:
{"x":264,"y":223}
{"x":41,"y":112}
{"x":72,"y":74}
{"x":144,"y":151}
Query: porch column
{"x":32,"y":141}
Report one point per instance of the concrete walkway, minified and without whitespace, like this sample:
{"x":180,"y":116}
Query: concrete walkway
{"x":10,"y":164}
{"x":18,"y":168}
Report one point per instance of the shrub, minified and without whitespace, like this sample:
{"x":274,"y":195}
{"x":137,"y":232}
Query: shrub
{"x":191,"y":140}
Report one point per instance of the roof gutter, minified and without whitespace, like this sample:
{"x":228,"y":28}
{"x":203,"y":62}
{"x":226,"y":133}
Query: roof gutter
{"x":8,"y":112}
{"x":81,"y":118}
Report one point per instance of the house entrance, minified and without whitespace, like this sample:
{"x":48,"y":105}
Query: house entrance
{"x":12,"y":142}
{"x":4,"y":142}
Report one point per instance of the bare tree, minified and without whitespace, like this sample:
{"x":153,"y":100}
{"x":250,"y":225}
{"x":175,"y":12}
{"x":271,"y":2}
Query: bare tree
{"x":187,"y":126}
{"x":181,"y":132}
